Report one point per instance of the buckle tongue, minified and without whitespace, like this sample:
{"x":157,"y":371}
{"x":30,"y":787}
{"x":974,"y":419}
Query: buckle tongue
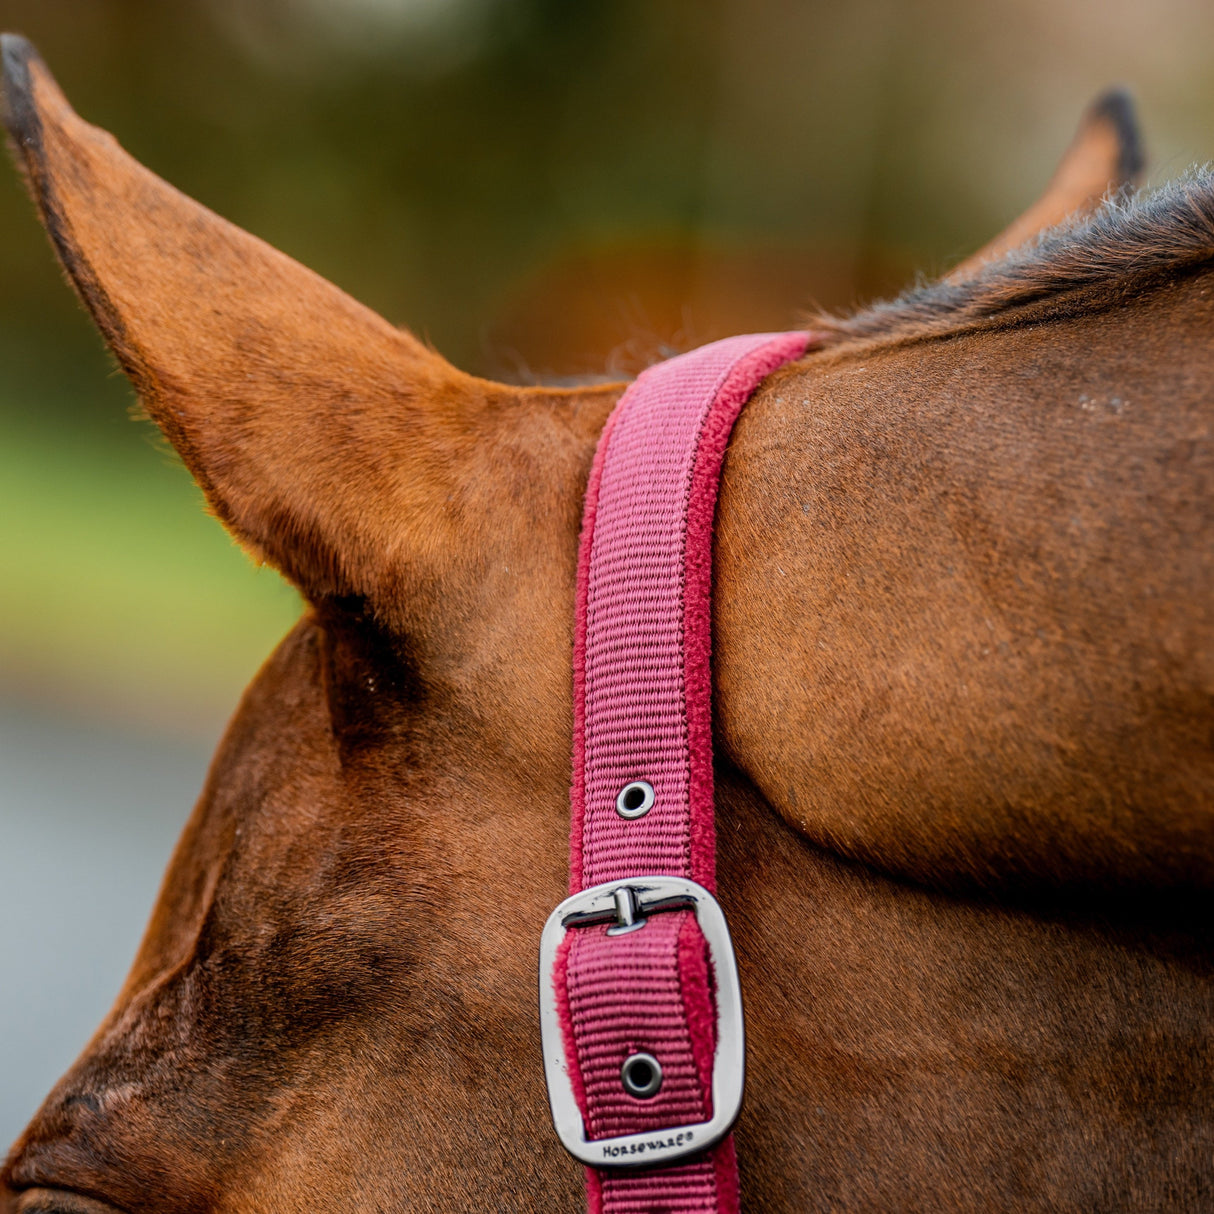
{"x":627,"y":905}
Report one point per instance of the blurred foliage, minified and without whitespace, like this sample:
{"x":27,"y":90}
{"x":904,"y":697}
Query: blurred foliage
{"x":535,"y":186}
{"x":121,"y":576}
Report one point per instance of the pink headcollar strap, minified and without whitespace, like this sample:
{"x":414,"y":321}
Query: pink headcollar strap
{"x":641,"y":1013}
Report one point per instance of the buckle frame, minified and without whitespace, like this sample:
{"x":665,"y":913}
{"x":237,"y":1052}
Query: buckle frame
{"x":609,"y":903}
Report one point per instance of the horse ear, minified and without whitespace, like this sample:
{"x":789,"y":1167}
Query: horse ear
{"x":309,"y":422}
{"x":1104,"y":157}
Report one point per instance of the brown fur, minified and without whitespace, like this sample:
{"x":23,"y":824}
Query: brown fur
{"x":962,"y":637}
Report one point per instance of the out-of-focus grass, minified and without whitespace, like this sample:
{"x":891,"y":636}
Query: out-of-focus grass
{"x":118,"y":592}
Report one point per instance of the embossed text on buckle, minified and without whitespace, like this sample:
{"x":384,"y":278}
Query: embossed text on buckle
{"x":627,"y":904}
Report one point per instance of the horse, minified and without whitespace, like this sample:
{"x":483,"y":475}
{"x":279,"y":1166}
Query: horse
{"x":962,"y":661}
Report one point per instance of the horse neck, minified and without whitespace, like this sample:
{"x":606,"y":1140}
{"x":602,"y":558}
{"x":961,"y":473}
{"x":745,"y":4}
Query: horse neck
{"x":955,"y":586}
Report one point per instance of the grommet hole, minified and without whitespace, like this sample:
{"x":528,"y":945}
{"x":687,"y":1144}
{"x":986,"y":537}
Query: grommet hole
{"x":635,"y":799}
{"x":641,"y":1076}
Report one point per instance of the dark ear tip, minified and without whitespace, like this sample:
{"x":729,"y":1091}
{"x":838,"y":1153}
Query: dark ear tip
{"x":16,"y":51}
{"x":1116,"y":106}
{"x":16,"y":55}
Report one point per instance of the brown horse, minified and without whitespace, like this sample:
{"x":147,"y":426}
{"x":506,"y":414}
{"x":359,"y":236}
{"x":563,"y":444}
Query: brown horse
{"x":963,"y":708}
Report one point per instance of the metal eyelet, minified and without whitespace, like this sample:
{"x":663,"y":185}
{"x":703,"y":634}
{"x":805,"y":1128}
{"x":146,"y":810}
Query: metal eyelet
{"x":635,"y":799}
{"x":641,"y":1075}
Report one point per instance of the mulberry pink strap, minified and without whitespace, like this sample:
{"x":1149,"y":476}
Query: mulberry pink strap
{"x":643,"y":721}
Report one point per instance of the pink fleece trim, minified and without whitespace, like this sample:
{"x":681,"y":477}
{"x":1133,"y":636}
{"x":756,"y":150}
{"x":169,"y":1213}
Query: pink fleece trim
{"x":696,"y":987}
{"x":737,"y":389}
{"x":560,"y":981}
{"x":725,"y":1165}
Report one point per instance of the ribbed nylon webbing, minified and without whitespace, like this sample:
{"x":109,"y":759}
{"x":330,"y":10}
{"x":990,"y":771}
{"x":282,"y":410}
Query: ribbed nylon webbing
{"x":642,"y":711}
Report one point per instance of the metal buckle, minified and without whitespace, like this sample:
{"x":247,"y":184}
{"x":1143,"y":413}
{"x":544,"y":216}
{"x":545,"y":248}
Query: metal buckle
{"x":627,"y":904}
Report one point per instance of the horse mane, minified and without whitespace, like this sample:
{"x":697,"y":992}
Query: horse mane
{"x":1131,"y":241}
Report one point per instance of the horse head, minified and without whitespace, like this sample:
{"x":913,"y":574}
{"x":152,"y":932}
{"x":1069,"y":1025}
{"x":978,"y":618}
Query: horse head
{"x":963,"y":703}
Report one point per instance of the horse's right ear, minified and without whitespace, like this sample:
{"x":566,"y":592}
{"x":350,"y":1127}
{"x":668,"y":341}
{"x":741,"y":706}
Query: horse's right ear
{"x":1104,"y":157}
{"x":316,"y":429}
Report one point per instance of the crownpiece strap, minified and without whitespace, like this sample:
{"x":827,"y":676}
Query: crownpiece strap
{"x":639,"y":989}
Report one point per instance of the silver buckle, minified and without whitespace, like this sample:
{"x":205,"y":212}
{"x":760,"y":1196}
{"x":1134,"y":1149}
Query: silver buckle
{"x":627,"y":904}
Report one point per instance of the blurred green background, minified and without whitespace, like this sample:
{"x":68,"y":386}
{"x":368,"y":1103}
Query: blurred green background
{"x":540,"y":187}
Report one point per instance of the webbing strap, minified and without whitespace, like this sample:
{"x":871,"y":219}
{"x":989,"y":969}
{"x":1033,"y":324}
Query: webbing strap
{"x":642,"y":712}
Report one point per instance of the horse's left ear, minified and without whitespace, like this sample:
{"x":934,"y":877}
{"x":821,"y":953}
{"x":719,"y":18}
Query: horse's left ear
{"x":328,"y":441}
{"x":1105,"y":156}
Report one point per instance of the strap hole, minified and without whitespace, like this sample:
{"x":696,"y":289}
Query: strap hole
{"x":641,"y":1076}
{"x":635,"y":799}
